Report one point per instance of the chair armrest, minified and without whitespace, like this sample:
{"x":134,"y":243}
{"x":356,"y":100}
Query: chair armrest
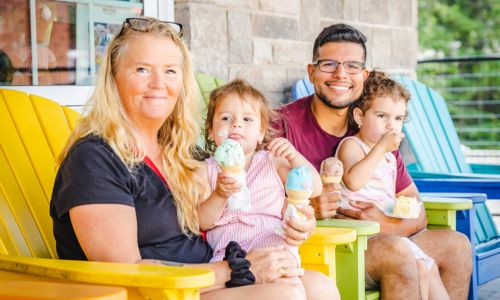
{"x":441,"y":211}
{"x":491,"y":187}
{"x":363,"y":228}
{"x":149,"y":279}
{"x":485,"y":169}
{"x":436,"y":175}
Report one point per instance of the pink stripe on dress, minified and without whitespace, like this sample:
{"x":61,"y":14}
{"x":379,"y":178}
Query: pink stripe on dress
{"x":254,"y":228}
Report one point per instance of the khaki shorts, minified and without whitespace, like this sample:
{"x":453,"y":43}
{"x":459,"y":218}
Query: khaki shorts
{"x":370,"y":284}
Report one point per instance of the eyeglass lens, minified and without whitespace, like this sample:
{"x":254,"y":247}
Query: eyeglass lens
{"x":330,"y":66}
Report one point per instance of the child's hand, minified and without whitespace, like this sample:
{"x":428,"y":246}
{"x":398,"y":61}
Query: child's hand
{"x":281,"y":147}
{"x":226,"y":185}
{"x":391,"y":140}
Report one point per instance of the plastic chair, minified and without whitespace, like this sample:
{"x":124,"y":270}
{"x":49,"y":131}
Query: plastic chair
{"x":34,"y":131}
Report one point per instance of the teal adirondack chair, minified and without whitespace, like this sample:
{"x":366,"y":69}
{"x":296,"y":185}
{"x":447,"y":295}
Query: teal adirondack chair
{"x":443,"y":171}
{"x":434,"y":139}
{"x":441,"y":167}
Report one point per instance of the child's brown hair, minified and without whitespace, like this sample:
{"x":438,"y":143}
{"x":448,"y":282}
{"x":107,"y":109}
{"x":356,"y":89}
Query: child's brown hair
{"x":245,"y":92}
{"x":378,"y":84}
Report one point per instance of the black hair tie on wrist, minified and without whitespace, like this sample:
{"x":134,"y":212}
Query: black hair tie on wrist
{"x":240,"y":266}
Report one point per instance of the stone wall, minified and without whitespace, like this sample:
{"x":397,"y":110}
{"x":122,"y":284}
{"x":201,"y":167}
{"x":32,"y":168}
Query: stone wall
{"x":269,"y":42}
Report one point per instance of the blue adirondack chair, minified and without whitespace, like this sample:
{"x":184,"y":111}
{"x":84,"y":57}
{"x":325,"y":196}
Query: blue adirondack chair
{"x":434,"y":174}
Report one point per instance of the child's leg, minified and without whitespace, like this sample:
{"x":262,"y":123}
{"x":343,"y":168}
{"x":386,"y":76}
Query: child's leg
{"x":319,"y":286}
{"x":437,"y":291}
{"x":423,"y":278}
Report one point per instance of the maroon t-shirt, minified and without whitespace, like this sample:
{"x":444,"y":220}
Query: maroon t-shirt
{"x":298,"y":124}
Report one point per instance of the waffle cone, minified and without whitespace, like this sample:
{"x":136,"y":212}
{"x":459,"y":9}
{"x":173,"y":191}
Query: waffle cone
{"x":232,"y":169}
{"x":330,"y":179}
{"x":298,"y":197}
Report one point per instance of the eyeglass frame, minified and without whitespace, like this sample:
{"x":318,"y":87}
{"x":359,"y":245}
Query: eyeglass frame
{"x":317,"y":63}
{"x":127,"y":21}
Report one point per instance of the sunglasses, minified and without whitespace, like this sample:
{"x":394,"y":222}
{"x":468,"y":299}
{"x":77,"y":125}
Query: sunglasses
{"x":142,"y":24}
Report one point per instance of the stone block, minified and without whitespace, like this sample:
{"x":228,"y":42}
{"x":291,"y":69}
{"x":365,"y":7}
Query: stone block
{"x":270,"y":79}
{"x":400,"y":12}
{"x":414,"y":14}
{"x":404,"y":48}
{"x":310,"y":25}
{"x":331,"y":9}
{"x":287,"y":7}
{"x":375,"y":11}
{"x":276,"y":27}
{"x":351,"y":10}
{"x":243,"y":4}
{"x":292,"y":53}
{"x":381,"y":48}
{"x":262,"y":52}
{"x":209,"y":39}
{"x":182,"y":16}
{"x":295,"y":74}
{"x":240,"y":40}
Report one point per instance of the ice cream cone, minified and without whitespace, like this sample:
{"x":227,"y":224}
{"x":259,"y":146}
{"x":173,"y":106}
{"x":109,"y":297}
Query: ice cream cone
{"x":298,"y":197}
{"x":234,"y":170}
{"x":325,"y":179}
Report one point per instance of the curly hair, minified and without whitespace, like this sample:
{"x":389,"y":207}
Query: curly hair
{"x":378,"y":84}
{"x":245,"y":93}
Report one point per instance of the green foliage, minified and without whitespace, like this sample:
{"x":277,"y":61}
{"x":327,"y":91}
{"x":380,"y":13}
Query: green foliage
{"x":457,"y":29}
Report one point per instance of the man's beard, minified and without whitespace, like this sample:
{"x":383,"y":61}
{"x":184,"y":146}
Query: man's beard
{"x":324,"y":99}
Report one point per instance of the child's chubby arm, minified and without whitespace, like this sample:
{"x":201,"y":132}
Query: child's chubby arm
{"x":212,"y":203}
{"x":287,"y":157}
{"x":358,"y":167}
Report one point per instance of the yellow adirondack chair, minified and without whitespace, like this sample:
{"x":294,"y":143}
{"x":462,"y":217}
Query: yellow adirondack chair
{"x":33,"y":132}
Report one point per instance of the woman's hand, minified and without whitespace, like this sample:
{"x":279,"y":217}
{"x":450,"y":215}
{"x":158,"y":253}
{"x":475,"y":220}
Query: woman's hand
{"x":226,"y":185}
{"x":297,"y":230}
{"x":274,"y":264}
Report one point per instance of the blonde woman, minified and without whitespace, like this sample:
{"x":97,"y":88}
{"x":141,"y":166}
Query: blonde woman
{"x":127,"y":189}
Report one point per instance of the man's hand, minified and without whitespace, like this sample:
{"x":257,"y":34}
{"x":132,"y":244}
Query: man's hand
{"x":326,"y":204}
{"x":366,"y":211}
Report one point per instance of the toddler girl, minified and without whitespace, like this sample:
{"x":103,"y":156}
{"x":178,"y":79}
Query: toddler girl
{"x":240,"y":112}
{"x":370,"y":167}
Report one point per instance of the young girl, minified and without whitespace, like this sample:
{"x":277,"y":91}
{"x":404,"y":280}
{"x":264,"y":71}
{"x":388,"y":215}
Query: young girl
{"x":240,"y":112}
{"x":370,"y":167}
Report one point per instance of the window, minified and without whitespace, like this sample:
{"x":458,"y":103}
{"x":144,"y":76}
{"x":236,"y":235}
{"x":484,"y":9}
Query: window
{"x":58,"y":42}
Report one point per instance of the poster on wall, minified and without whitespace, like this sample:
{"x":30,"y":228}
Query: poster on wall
{"x":103,"y":34}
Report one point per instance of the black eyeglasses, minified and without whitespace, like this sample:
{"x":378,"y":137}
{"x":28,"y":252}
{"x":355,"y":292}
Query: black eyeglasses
{"x":142,"y":24}
{"x":330,"y":66}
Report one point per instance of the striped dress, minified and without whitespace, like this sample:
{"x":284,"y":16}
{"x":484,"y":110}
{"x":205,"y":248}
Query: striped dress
{"x":255,"y":228}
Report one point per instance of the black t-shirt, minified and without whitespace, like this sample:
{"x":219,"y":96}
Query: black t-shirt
{"x":93,"y":173}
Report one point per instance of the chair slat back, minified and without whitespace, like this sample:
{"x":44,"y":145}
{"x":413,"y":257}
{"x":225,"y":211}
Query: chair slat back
{"x":431,"y":132}
{"x":34,"y":131}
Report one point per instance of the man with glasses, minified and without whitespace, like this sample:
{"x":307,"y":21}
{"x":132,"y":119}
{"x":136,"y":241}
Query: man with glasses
{"x":316,"y":124}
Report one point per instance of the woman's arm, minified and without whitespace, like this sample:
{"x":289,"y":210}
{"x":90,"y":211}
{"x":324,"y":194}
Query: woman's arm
{"x":106,"y":232}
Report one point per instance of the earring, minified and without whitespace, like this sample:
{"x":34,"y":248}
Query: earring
{"x":359,"y":126}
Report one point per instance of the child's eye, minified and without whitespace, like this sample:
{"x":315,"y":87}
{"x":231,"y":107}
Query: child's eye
{"x":399,"y":118}
{"x":248,"y":119}
{"x":381,"y":116}
{"x":226,"y":118}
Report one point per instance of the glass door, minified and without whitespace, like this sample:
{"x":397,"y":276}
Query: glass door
{"x":54,"y":48}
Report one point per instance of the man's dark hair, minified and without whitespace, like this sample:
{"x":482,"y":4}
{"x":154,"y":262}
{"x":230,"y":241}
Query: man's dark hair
{"x":339,"y":33}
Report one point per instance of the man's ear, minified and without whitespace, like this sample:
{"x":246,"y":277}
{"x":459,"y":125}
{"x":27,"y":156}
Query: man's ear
{"x":357,"y":113}
{"x":366,"y":72}
{"x":310,"y":72}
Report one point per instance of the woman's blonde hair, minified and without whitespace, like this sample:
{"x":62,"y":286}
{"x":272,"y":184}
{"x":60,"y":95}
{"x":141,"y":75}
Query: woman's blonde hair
{"x":106,"y":117}
{"x":241,"y":89}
